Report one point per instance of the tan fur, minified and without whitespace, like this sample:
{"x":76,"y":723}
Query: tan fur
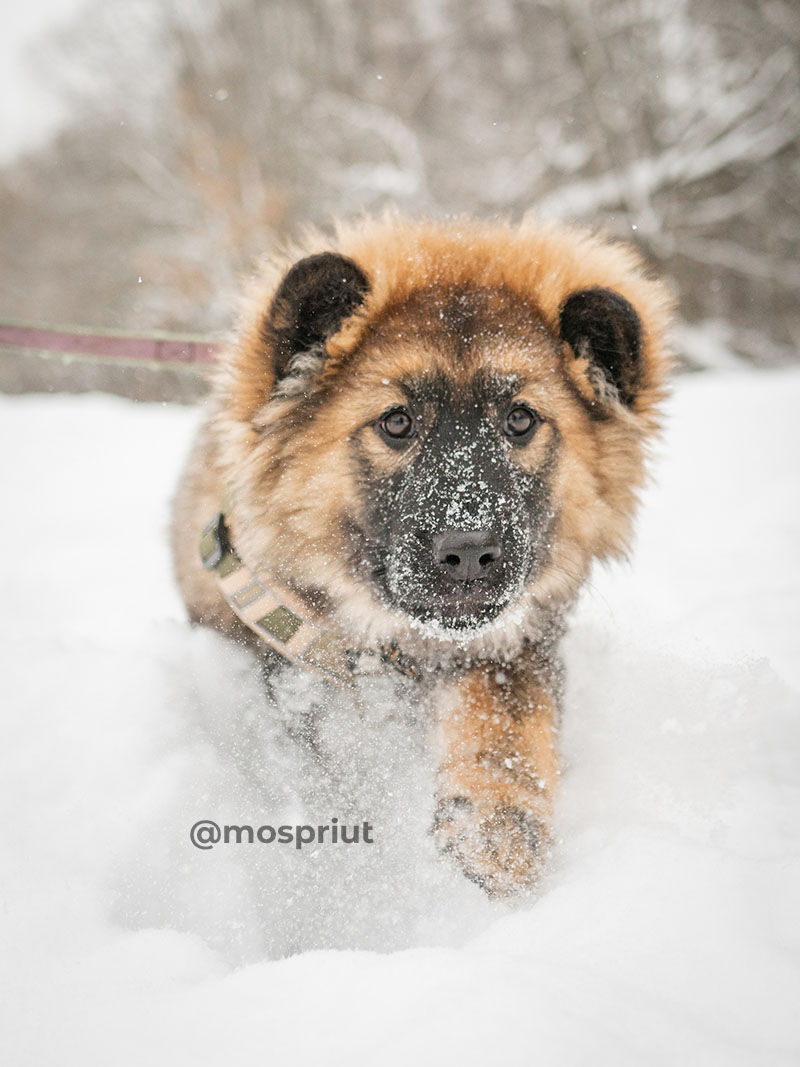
{"x":497,"y":737}
{"x":281,"y":466}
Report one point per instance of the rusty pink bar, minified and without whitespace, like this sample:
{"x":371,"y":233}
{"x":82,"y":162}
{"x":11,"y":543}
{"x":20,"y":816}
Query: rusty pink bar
{"x":153,"y":349}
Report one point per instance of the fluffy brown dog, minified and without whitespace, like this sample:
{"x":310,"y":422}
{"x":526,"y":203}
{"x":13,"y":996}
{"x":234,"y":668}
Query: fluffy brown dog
{"x":422,"y":438}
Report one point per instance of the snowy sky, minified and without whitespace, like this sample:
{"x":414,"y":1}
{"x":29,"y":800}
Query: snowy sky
{"x":27,"y":113}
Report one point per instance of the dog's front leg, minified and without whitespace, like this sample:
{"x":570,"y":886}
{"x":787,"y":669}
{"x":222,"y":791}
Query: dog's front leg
{"x":498,"y":773}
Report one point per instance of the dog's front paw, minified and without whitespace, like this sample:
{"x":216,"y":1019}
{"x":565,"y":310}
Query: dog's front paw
{"x":501,"y":848}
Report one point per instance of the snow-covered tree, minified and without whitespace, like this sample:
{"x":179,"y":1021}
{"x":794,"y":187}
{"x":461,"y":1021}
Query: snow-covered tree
{"x":205,"y":131}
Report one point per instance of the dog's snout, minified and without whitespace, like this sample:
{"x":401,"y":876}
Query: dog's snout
{"x":465,"y":555}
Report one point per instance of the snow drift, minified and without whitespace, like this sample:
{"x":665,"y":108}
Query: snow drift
{"x":665,"y":930}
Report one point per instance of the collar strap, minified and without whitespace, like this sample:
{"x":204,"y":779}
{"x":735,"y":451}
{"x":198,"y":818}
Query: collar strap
{"x":277,"y":616}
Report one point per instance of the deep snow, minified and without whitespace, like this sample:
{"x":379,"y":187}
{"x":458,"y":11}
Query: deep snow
{"x":666,"y":930}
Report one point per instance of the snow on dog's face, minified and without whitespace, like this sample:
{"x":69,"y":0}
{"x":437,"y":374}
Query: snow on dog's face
{"x":454,"y":455}
{"x":433,"y":434}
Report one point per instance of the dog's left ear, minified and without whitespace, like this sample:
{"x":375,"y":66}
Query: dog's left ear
{"x":601,"y":327}
{"x":311,"y":303}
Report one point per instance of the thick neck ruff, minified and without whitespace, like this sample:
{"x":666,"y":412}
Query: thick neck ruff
{"x":280,"y":620}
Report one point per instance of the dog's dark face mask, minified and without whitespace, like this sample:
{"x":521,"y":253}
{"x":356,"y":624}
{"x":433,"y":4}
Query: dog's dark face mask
{"x":455,"y":535}
{"x":451,"y":528}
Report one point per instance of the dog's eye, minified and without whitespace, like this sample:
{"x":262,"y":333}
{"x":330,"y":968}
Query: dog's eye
{"x":521,"y":424}
{"x":397,"y":426}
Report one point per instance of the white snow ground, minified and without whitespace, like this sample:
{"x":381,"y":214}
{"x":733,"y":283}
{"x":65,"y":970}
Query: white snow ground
{"x":667,"y":930}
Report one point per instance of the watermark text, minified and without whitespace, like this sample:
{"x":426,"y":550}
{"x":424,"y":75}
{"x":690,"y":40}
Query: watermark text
{"x":206,"y":833}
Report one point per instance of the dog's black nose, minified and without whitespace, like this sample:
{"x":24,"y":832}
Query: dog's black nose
{"x":466,"y":554}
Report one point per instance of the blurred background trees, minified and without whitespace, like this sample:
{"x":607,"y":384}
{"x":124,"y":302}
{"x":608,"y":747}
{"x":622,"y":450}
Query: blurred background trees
{"x":203,"y":132}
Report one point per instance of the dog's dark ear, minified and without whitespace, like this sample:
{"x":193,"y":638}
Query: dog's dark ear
{"x":601,"y":326}
{"x":313,"y":300}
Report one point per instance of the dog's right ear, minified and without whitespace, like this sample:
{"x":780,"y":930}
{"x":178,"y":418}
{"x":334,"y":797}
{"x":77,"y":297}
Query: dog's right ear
{"x":311,"y":303}
{"x":601,"y":327}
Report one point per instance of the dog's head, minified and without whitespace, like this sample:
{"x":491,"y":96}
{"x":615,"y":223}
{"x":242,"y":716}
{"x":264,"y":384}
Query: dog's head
{"x":443,"y":422}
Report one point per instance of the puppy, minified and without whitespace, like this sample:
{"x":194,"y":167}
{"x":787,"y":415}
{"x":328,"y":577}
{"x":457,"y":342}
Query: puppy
{"x":421,"y":438}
